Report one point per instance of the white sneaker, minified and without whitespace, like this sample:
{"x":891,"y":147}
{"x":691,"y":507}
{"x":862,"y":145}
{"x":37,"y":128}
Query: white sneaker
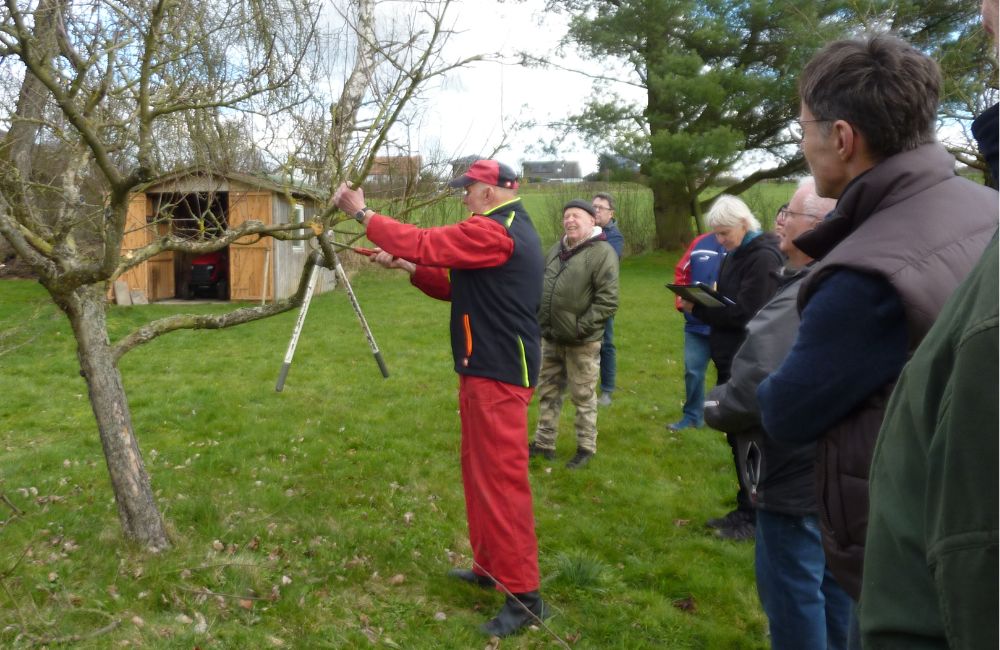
{"x":604,"y":399}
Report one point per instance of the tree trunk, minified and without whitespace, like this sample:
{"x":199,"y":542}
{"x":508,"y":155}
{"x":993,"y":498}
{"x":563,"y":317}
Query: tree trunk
{"x":344,"y":113}
{"x":672,"y":214}
{"x":140,"y":518}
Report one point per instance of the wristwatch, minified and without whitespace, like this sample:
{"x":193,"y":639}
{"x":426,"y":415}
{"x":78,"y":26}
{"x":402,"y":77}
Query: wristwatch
{"x":360,"y":214}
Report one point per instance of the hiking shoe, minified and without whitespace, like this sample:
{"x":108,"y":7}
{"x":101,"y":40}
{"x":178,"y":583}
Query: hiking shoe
{"x":738,"y":532}
{"x":731,"y":518}
{"x":467,"y":575}
{"x":581,"y":458}
{"x":535,"y":450}
{"x":604,"y":399}
{"x":518,"y":612}
{"x":681,"y":425}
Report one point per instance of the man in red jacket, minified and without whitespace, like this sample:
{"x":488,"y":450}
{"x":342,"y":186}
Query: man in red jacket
{"x":490,"y":267}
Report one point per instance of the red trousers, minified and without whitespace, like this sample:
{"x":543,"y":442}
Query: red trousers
{"x":495,"y":477}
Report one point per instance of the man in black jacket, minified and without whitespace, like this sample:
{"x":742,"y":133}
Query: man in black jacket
{"x":804,"y":605}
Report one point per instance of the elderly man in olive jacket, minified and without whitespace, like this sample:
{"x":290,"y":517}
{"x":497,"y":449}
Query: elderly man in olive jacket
{"x":579,"y":294}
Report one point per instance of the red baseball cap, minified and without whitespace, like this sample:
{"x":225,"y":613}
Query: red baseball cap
{"x":490,"y":172}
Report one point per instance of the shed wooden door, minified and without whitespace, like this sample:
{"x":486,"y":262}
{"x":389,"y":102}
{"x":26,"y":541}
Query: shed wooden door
{"x":246,"y":255}
{"x":137,"y":234}
{"x":155,"y":276}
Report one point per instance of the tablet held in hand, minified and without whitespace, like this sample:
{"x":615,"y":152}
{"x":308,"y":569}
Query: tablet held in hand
{"x":700,"y":294}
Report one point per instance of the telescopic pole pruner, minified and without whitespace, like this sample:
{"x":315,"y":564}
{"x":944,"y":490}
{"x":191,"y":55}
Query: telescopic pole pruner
{"x":303,"y":310}
{"x":326,"y":243}
{"x":332,"y":261}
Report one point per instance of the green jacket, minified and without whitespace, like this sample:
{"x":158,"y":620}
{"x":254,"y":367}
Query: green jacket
{"x":931,"y":571}
{"x":580,"y":291}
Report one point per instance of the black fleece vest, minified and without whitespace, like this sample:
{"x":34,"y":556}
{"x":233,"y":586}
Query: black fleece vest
{"x":494,"y":322}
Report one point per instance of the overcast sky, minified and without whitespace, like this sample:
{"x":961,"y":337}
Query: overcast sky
{"x":477,"y":108}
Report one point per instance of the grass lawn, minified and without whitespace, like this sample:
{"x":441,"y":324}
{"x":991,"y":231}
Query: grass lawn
{"x":326,"y":516}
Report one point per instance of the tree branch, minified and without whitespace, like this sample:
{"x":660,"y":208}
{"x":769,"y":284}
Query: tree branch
{"x":17,"y":511}
{"x":154,"y":329}
{"x":76,"y":638}
{"x":527,"y":60}
{"x":230,"y":236}
{"x":793,"y":166}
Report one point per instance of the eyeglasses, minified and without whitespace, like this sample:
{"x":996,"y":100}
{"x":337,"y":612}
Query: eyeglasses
{"x":798,"y":132}
{"x":785,"y":214}
{"x":601,"y":208}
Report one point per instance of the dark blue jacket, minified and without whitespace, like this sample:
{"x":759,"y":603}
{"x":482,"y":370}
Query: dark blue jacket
{"x":985,"y":129}
{"x":700,"y":263}
{"x":615,"y":237}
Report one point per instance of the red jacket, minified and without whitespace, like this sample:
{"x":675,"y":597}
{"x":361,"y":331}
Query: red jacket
{"x":490,"y":268}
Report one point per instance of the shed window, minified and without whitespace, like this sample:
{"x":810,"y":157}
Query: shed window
{"x":298,"y":216}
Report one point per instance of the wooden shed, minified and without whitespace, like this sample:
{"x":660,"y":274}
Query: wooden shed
{"x":198,"y":201}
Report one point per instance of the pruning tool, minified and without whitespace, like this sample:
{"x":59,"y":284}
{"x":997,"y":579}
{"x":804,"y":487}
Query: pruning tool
{"x":332,"y":261}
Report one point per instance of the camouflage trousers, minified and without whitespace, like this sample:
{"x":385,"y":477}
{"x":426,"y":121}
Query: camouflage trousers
{"x":575,"y":367}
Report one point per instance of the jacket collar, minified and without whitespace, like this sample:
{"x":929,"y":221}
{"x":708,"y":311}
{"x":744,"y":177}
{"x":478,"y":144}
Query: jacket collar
{"x":596,"y":235}
{"x":497,"y":208}
{"x":894,"y":179}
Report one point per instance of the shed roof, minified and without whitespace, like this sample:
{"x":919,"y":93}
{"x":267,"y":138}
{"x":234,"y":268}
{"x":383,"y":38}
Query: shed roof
{"x":215,"y":180}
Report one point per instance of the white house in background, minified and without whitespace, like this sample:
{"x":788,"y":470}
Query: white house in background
{"x":548,"y":171}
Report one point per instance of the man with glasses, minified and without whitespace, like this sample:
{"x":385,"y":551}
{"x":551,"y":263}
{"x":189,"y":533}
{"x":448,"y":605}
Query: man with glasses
{"x":779,"y":220}
{"x":906,"y":231}
{"x":490,"y":267}
{"x":805,"y":606}
{"x":604,"y":208}
{"x":931,"y":570}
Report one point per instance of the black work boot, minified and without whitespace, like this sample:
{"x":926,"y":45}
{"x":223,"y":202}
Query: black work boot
{"x":738,"y":532}
{"x":515,"y":616}
{"x":581,"y":459}
{"x":472,"y":577}
{"x":535,"y":450}
{"x":731,"y":518}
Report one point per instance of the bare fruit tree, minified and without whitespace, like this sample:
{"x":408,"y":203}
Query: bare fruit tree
{"x":396,"y":52}
{"x":101,"y":97}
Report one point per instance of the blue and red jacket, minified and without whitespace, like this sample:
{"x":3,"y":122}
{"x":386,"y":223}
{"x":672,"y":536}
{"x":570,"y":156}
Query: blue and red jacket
{"x":700,"y":263}
{"x":490,"y":267}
